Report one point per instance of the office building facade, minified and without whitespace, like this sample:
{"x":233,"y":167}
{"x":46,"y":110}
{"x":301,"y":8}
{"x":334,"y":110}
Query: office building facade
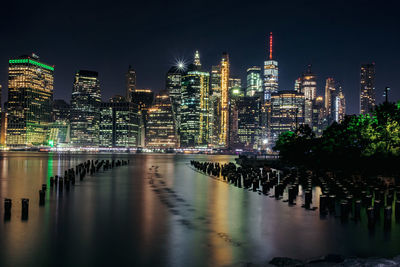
{"x":30,"y":94}
{"x":287,"y":112}
{"x":224,"y":128}
{"x":130,"y":82}
{"x":85,"y":109}
{"x":367,"y":88}
{"x":60,"y":126}
{"x":254,"y":81}
{"x":195,"y":110}
{"x":161,"y":132}
{"x":119,"y":127}
{"x":271,"y":73}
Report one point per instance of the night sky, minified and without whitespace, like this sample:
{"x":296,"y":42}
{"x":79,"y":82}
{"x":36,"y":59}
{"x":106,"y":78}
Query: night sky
{"x":334,"y":36}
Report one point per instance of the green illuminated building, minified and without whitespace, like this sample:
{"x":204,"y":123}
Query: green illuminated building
{"x":30,"y":94}
{"x":254,"y":81}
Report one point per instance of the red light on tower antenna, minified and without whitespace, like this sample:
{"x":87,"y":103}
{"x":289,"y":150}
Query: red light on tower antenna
{"x":270,"y":45}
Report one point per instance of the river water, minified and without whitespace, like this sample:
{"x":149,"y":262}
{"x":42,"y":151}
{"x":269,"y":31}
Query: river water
{"x":159,"y":211}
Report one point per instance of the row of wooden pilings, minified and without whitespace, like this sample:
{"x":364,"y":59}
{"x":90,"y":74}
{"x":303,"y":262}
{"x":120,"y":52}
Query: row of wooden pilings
{"x":60,"y":183}
{"x":344,"y":197}
{"x":349,"y":197}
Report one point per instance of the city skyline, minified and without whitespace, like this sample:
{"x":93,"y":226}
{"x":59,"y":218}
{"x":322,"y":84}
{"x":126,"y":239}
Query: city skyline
{"x":333,"y":50}
{"x":198,"y":113}
{"x":200,"y":133}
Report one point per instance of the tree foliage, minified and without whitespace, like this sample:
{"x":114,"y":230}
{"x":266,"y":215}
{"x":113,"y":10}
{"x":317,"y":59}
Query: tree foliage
{"x":357,"y":140}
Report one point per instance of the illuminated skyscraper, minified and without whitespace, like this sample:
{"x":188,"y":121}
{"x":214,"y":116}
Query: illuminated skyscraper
{"x":248,"y":122}
{"x":330,"y":88}
{"x":119,"y":123}
{"x":1,"y":117}
{"x":235,"y":94}
{"x":161,"y":133}
{"x":30,"y":94}
{"x":318,"y":116}
{"x":308,"y":112}
{"x":173,"y":87}
{"x":216,"y":79}
{"x":85,"y":109}
{"x":367,"y":88}
{"x":234,"y":83}
{"x":196,"y":60}
{"x":309,"y":84}
{"x":270,"y":73}
{"x":215,"y":106}
{"x":254,"y":81}
{"x":60,"y":126}
{"x":195,"y":111}
{"x":287,"y":112}
{"x":309,"y":89}
{"x":297,"y":85}
{"x":130,"y":80}
{"x":3,"y":128}
{"x":224,"y":132}
{"x":339,"y":105}
{"x":142,"y":99}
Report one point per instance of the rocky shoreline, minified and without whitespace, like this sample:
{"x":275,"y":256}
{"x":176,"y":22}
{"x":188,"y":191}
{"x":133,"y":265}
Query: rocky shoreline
{"x":335,"y":260}
{"x":331,"y":260}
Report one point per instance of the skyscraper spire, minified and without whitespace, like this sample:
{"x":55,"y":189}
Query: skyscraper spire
{"x":196,"y":61}
{"x":309,"y":66}
{"x":270,"y":45}
{"x":270,"y":72}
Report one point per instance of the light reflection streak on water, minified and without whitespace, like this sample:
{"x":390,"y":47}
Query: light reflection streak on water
{"x":116,"y":215}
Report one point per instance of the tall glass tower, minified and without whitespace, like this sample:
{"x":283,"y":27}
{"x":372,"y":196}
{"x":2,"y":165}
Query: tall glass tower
{"x":309,"y":84}
{"x":30,"y":94}
{"x":130,"y":80}
{"x":330,"y":88}
{"x":367,"y":88}
{"x":254,"y":81}
{"x":270,"y":73}
{"x":224,"y":132}
{"x":161,"y":131}
{"x":195,"y":113}
{"x":287,"y":112}
{"x":215,"y":105}
{"x":85,"y":109}
{"x":173,"y":86}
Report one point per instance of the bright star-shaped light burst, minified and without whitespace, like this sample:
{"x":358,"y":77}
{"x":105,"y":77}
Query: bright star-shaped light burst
{"x":180,"y":63}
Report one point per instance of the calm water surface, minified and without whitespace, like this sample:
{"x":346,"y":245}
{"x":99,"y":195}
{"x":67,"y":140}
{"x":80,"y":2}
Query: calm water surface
{"x":170,"y":216}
